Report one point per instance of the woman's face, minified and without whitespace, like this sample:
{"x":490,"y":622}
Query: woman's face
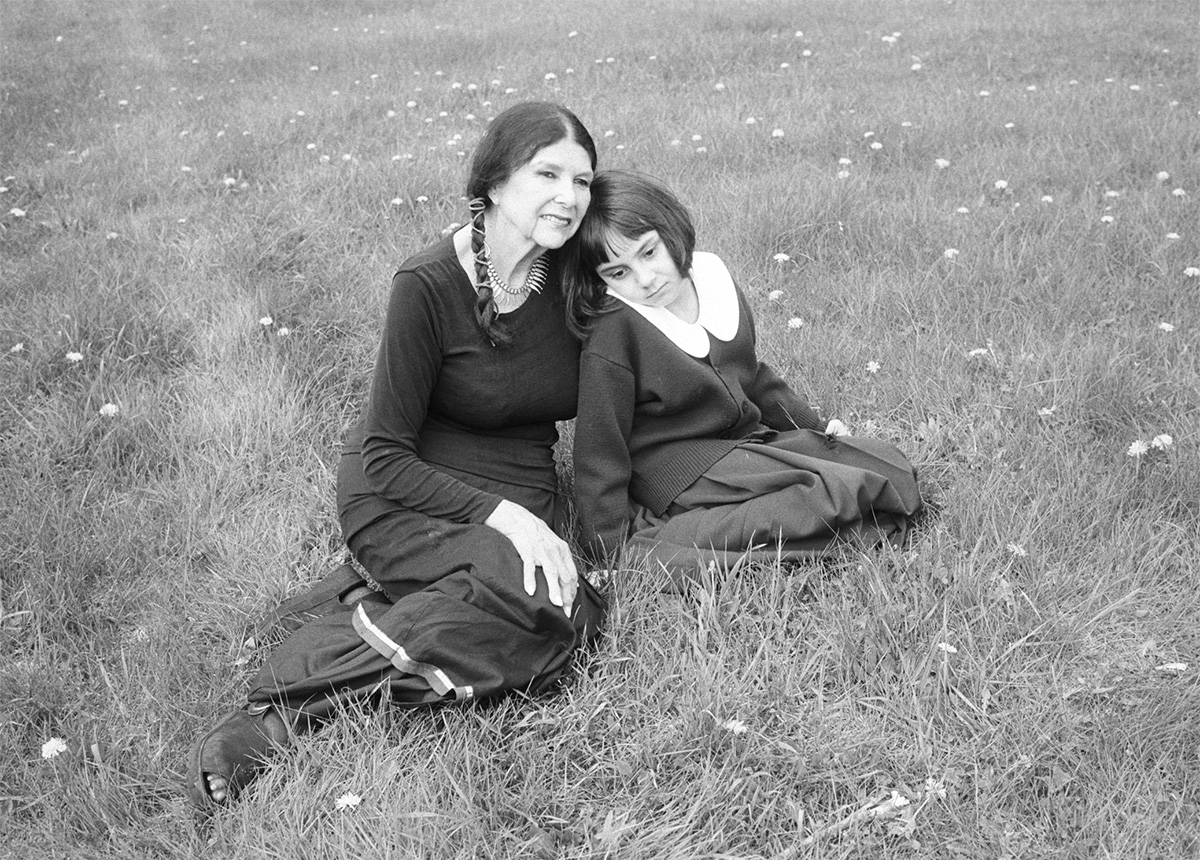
{"x":642,"y":271}
{"x":545,"y":199}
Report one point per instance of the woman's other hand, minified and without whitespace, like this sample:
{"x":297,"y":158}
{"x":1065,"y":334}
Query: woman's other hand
{"x":538,"y":546}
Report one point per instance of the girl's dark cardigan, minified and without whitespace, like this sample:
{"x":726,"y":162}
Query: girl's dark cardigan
{"x":652,"y":418}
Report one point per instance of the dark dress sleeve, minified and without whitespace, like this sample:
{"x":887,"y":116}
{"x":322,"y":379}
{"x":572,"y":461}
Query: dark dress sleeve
{"x":406,"y":372}
{"x":781,"y":406}
{"x":601,"y":454}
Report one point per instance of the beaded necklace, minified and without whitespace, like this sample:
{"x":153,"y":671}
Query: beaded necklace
{"x":534,"y":280}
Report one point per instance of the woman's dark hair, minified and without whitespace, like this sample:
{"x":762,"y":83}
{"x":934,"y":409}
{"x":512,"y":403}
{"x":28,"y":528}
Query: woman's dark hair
{"x":511,"y":141}
{"x":627,"y":204}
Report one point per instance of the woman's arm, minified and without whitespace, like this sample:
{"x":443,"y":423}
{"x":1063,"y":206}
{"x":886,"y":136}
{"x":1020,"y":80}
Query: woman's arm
{"x":406,"y":371}
{"x":601,"y":454}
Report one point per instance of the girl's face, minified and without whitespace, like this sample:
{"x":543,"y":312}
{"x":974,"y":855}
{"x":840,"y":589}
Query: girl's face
{"x":642,"y":272}
{"x":545,"y":198}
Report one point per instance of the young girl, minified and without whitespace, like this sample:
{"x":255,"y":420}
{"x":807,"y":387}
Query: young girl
{"x":687,"y":447}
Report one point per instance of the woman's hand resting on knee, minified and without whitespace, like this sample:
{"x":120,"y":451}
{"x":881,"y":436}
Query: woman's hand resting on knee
{"x":538,"y":546}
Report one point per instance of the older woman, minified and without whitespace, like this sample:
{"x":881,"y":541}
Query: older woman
{"x":447,"y":490}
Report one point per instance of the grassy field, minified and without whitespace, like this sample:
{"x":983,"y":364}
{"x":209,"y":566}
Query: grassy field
{"x":969,"y":227}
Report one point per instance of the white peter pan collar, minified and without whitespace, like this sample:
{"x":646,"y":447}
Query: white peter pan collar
{"x":719,"y":312}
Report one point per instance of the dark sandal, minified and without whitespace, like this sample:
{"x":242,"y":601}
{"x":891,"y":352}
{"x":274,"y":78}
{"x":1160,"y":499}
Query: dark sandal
{"x":237,"y":747}
{"x":322,"y":599}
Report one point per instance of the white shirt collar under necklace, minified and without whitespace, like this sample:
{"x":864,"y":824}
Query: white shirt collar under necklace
{"x":719,"y":312}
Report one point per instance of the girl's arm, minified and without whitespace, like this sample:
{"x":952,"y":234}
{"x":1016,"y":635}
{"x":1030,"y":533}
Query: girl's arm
{"x":406,"y":371}
{"x":782,"y":407}
{"x":601,"y":454}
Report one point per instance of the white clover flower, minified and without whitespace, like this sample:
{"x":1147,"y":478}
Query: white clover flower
{"x":963,"y":210}
{"x":778,"y":132}
{"x":806,"y":53}
{"x":16,"y":212}
{"x":845,"y":162}
{"x":750,"y":120}
{"x":266,"y":321}
{"x":876,"y":145}
{"x":284,"y":331}
{"x":1179,"y":192}
{"x":17,"y":347}
{"x":109,"y":410}
{"x":916,"y":67}
{"x":74,"y":357}
{"x":774,"y":295}
{"x":1162,"y":441}
{"x":795,"y":322}
{"x":781,"y":257}
{"x":1017,"y":550}
{"x":718,"y":86}
{"x":676,"y":142}
{"x":1112,"y":193}
{"x":1172,"y":668}
{"x":1162,"y":176}
{"x":947,"y":647}
{"x":397,"y":201}
{"x":941,"y":163}
{"x":1010,"y":125}
{"x":984,"y":93}
{"x":1190,"y":271}
{"x":325,"y":159}
{"x":873,"y":366}
{"x":1106,"y":219}
{"x":1172,"y":235}
{"x":867,"y":134}
{"x":1137,"y":448}
{"x":1137,"y":88}
{"x":696,"y":138}
{"x":572,"y":34}
{"x":950,"y":253}
{"x":1046,"y":411}
{"x":1046,"y":198}
{"x":843,"y":174}
{"x":1000,"y":184}
{"x":978,"y":351}
{"x":737,"y":727}
{"x":421,"y":198}
{"x":53,"y":748}
{"x":701,"y":149}
{"x":550,"y":76}
{"x":349,"y":800}
{"x":1166,"y":326}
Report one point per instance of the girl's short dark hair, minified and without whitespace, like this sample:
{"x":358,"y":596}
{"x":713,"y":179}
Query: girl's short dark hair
{"x":628,"y":204}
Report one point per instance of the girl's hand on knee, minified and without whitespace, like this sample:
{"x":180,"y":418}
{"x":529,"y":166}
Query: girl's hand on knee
{"x":538,"y":546}
{"x":836,"y":428}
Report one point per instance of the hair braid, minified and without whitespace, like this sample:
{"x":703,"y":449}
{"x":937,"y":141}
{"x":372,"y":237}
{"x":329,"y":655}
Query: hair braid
{"x":485,"y":302}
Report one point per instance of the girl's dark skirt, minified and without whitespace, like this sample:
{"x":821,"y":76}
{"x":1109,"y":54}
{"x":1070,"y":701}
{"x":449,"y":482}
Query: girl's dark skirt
{"x":460,"y":625}
{"x":797,"y":495}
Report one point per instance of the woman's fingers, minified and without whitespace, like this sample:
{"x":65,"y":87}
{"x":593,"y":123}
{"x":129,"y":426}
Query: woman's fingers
{"x":538,"y":546}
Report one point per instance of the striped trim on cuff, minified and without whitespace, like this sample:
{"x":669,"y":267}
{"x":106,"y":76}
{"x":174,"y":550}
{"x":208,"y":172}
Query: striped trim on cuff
{"x":395,"y":654}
